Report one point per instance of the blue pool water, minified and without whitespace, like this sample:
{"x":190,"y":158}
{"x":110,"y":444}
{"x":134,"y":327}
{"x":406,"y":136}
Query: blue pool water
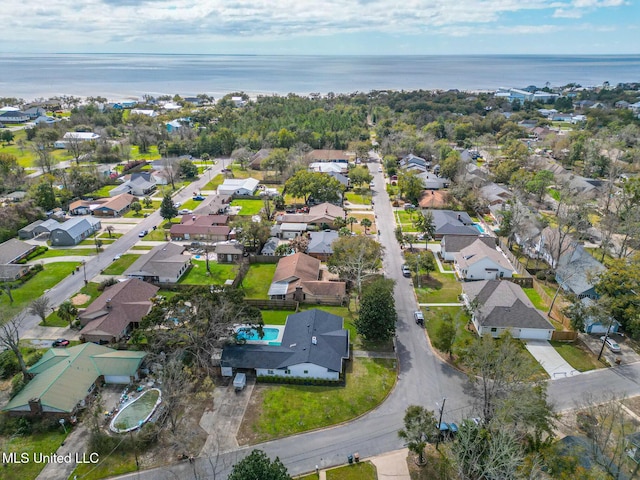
{"x":479,"y":227}
{"x":270,"y":334}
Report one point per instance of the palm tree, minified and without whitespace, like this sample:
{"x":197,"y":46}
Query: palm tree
{"x":110,"y":230}
{"x":350,"y":221}
{"x":67,"y":312}
{"x":366,"y":223}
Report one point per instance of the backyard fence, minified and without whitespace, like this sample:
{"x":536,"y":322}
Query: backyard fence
{"x":564,"y":336}
{"x":272,"y":304}
{"x":264,"y":258}
{"x":513,"y":259}
{"x":558,"y":306}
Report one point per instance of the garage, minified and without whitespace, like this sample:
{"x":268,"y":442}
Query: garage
{"x":535,"y":334}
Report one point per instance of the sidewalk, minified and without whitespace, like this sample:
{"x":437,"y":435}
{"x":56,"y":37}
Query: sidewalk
{"x":391,"y":465}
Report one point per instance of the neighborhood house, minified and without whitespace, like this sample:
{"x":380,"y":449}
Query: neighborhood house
{"x":73,"y":231}
{"x":165,"y":263}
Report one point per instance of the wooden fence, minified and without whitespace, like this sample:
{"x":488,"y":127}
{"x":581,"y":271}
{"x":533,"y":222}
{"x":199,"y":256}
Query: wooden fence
{"x":558,"y":306}
{"x":264,"y":258}
{"x":512,"y":258}
{"x":272,"y":304}
{"x":564,"y":336}
{"x":524,"y":282}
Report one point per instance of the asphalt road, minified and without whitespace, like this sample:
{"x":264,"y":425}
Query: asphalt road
{"x":73,"y":283}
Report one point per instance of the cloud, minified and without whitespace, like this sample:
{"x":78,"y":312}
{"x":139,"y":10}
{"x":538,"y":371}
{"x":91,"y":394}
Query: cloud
{"x":96,"y":22}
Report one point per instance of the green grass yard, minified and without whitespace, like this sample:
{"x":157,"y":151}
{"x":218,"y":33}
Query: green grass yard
{"x":249,"y":207}
{"x":214,"y":183}
{"x":101,"y":192}
{"x":118,"y":463}
{"x":91,"y":290}
{"x":438,"y":288}
{"x":35,"y":287}
{"x":45,"y":443}
{"x":289,"y":409}
{"x":275,"y":317}
{"x":257,"y":281}
{"x":120,"y":265}
{"x":576,"y":355}
{"x":198,"y":275}
{"x":355,"y":471}
{"x":536,"y":299}
{"x":434,"y":318}
{"x":65,"y":252}
{"x":358,"y":198}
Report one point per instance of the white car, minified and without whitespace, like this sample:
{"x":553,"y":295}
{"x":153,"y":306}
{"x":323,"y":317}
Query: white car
{"x":177,"y":204}
{"x":611,"y":344}
{"x":380,"y":169}
{"x":184,"y":211}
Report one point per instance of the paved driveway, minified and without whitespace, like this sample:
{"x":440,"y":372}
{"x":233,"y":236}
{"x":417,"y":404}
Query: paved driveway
{"x":550,"y":359}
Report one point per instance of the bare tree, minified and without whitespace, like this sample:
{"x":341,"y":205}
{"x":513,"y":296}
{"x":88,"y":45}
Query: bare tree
{"x":571,"y":218}
{"x":43,"y":156}
{"x":171,"y":170}
{"x":268,"y":210}
{"x":242,"y":156}
{"x":40,"y":306}
{"x":76,"y":147}
{"x":175,"y":384}
{"x":10,"y":338}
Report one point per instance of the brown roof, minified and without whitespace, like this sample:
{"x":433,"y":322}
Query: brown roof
{"x":119,"y":202}
{"x":300,"y":266}
{"x":79,"y":204}
{"x":325,"y":209}
{"x":319,"y":288}
{"x":433,"y":199}
{"x":328,"y":155}
{"x":120,"y":304}
{"x":204,"y":219}
{"x":202,"y":225}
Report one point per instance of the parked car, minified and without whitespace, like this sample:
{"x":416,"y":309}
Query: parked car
{"x":419,"y":317}
{"x":177,"y":204}
{"x":198,"y":198}
{"x":406,"y":272}
{"x":380,"y":169}
{"x":116,"y":257}
{"x":611,"y":344}
{"x":372,"y":184}
{"x":143,"y":233}
{"x":409,"y":206}
{"x":184,"y":211}
{"x":60,"y":342}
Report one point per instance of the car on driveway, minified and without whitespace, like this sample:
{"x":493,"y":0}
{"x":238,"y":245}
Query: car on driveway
{"x":143,"y":233}
{"x":611,"y":344}
{"x":406,"y":272}
{"x":60,"y":342}
{"x":198,"y":198}
{"x":419,"y":317}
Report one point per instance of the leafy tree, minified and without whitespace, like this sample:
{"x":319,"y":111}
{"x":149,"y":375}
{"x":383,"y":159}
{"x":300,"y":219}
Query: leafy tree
{"x":366,"y":223}
{"x":425,"y":225}
{"x":40,"y":306}
{"x":187,"y":169}
{"x":253,"y":234}
{"x":136,"y":207}
{"x":420,"y":427}
{"x":360,"y":176}
{"x":147,"y":202}
{"x":67,"y":311}
{"x":258,"y":465}
{"x":99,"y":244}
{"x":410,"y":186}
{"x":277,"y":161}
{"x":377,"y":319}
{"x":539,"y":183}
{"x":7,"y":136}
{"x":44,"y":195}
{"x":320,"y":187}
{"x":451,"y":165}
{"x":420,"y":262}
{"x":355,"y":258}
{"x":445,"y":334}
{"x":167,"y":209}
{"x":282,"y":250}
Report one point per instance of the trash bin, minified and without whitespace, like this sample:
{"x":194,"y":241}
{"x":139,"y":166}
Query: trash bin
{"x":350,"y":459}
{"x":356,"y":457}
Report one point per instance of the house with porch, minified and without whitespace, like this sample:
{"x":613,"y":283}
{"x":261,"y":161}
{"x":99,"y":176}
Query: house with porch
{"x":73,"y":231}
{"x":211,"y":228}
{"x":314,"y":345}
{"x":322,"y":215}
{"x":139,"y":185}
{"x":449,"y":222}
{"x":66,"y":379}
{"x":452,"y":244}
{"x":498,"y":306}
{"x":479,"y":261}
{"x":165,"y":263}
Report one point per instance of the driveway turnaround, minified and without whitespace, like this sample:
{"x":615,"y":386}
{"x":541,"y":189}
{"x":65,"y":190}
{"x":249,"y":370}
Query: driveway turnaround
{"x":550,"y":359}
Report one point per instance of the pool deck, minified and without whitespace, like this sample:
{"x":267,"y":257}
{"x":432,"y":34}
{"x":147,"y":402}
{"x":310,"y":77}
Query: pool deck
{"x":274,"y":341}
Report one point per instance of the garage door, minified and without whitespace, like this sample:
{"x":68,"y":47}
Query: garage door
{"x":123,"y":379}
{"x":535,"y":334}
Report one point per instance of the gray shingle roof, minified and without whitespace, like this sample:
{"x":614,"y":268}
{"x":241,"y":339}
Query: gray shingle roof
{"x":448,"y":222}
{"x":332,"y":344}
{"x":455,"y":243}
{"x":13,"y":249}
{"x":320,"y":242}
{"x":576,"y":269}
{"x":164,"y":260}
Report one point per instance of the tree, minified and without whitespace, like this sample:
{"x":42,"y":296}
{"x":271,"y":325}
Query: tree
{"x":253,"y":234}
{"x":268,"y":210}
{"x":366,"y":223}
{"x":99,"y":244}
{"x":7,"y":136}
{"x":282,"y":250}
{"x":320,"y":187}
{"x":40,"y":306}
{"x":451,"y":165}
{"x":420,"y":426}
{"x":187,"y":169}
{"x":445,"y":334}
{"x":10,"y":339}
{"x":44,"y":195}
{"x":360,"y":176}
{"x":420,"y":262}
{"x":136,"y":207}
{"x":425,"y":225}
{"x":350,"y":221}
{"x":355,"y":258}
{"x":75,"y":146}
{"x":110,"y":229}
{"x":67,"y":312}
{"x":300,"y":243}
{"x":242,"y":156}
{"x":377,"y":319}
{"x":258,"y":466}
{"x":539,"y":183}
{"x":147,"y":202}
{"x":410,"y":186}
{"x":167,"y":209}
{"x":277,"y":161}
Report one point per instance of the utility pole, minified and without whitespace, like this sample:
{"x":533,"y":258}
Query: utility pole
{"x":440,"y":421}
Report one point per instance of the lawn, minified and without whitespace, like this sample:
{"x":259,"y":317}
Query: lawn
{"x":536,"y":299}
{"x":155,"y":204}
{"x":198,"y":275}
{"x":289,"y":409}
{"x":249,"y":207}
{"x":53,"y":320}
{"x":358,"y":198}
{"x":275,"y":317}
{"x":577,"y":356}
{"x":158,"y":235}
{"x":91,"y":241}
{"x":152,"y":154}
{"x":46,"y":443}
{"x":105,"y":235}
{"x":246,"y":173}
{"x":357,"y":228}
{"x":434,"y":318}
{"x":257,"y":281}
{"x":190,"y":204}
{"x":64,"y":252}
{"x":438,"y":288}
{"x":214,"y":183}
{"x":120,"y":265}
{"x":117,"y":463}
{"x":35,"y":287}
{"x":355,"y":471}
{"x":101,"y":192}
{"x":90,"y":289}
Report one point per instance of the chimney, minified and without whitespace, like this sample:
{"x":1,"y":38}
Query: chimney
{"x":108,"y":304}
{"x":35,"y":406}
{"x":459,"y":219}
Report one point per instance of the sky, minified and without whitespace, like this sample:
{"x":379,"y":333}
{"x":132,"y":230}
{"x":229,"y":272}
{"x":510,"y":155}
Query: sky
{"x":319,"y":27}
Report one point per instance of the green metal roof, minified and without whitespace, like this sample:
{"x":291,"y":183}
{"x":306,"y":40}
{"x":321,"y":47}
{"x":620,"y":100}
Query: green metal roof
{"x":64,"y":376}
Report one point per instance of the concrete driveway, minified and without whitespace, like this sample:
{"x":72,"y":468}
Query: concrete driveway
{"x":626,"y":355}
{"x":550,"y":359}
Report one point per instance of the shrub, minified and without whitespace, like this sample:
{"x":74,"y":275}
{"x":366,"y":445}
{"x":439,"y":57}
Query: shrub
{"x":17,"y":384}
{"x":106,"y":283}
{"x":8,"y":364}
{"x":15,"y":425}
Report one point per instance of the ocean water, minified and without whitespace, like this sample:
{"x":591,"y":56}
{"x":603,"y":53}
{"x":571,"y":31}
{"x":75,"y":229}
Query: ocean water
{"x":118,"y":76}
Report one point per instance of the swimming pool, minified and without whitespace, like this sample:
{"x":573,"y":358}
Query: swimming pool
{"x":137,"y":412}
{"x":272,"y":334}
{"x":479,"y":227}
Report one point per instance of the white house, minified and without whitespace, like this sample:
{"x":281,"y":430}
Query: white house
{"x":452,"y":244}
{"x":75,"y":137}
{"x":238,"y":186}
{"x":479,"y":261}
{"x":498,"y":306}
{"x":141,"y":111}
{"x":314,"y":345}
